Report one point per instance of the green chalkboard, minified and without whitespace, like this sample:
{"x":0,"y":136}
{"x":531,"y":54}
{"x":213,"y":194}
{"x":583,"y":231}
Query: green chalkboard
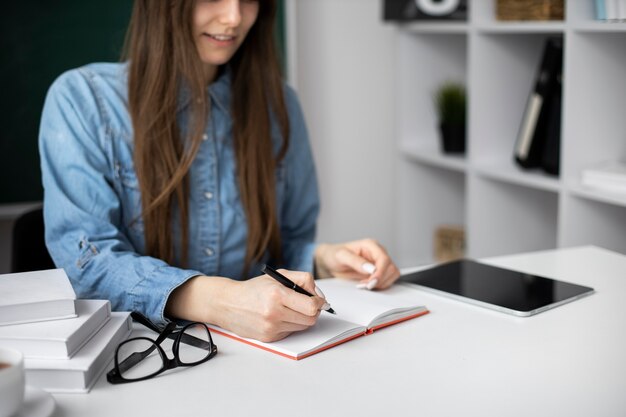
{"x":39,"y":40}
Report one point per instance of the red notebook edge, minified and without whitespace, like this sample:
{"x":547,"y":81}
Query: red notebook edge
{"x":391,"y":323}
{"x":323,"y":348}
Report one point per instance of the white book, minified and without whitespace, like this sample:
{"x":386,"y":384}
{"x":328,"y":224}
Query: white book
{"x":359,"y":312}
{"x":79,"y":373}
{"x":621,"y":10}
{"x":604,"y":186}
{"x":609,"y":176}
{"x":613,"y":171}
{"x":36,"y":296}
{"x":612,"y":10}
{"x":57,"y":339}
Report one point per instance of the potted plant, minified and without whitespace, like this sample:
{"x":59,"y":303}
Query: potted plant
{"x":450,"y":103}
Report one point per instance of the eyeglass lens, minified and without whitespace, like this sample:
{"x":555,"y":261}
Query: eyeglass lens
{"x":144,"y":350}
{"x":190,"y":354}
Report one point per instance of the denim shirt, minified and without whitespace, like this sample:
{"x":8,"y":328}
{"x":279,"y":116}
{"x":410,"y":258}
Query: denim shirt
{"x":92,"y":203}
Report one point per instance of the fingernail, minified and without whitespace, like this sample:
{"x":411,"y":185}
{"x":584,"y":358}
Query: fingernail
{"x":372,"y":284}
{"x":319,"y":292}
{"x":326,"y":306}
{"x":368,"y":267}
{"x":361,"y":285}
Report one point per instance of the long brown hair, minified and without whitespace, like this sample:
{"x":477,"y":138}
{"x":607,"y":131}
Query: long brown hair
{"x":163,"y":60}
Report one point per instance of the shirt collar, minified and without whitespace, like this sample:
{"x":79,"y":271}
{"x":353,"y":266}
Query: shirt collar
{"x":218,"y":90}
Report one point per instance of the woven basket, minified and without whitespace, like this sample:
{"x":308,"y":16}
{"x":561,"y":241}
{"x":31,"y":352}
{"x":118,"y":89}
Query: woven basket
{"x":529,"y":9}
{"x":449,"y":242}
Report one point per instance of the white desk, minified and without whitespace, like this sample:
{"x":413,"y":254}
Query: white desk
{"x":460,"y":360}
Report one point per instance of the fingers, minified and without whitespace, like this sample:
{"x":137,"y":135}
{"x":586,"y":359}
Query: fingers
{"x":360,"y":267}
{"x":303,"y":279}
{"x":384,"y":272}
{"x":391,"y":274}
{"x":293,"y":307}
{"x":304,"y":304}
{"x":285,"y":311}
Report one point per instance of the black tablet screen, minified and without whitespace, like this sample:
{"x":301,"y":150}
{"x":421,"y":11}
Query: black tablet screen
{"x":493,"y":285}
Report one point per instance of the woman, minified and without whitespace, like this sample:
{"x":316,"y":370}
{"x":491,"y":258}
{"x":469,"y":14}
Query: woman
{"x":169,"y":179}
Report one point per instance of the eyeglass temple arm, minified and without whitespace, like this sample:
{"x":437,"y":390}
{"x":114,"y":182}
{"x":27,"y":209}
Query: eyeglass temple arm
{"x":194,"y":341}
{"x":185,"y":338}
{"x":134,"y":359}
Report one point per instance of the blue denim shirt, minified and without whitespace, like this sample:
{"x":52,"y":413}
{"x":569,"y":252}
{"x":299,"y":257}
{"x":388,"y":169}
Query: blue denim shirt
{"x":92,"y":200}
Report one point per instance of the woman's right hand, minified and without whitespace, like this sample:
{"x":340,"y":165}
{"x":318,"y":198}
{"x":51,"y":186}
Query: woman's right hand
{"x":260,"y":308}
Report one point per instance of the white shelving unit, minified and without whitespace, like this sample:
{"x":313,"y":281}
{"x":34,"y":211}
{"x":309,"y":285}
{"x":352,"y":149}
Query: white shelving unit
{"x":504,"y":208}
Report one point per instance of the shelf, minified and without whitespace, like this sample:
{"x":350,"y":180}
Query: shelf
{"x":598,"y":195}
{"x":522,"y":27}
{"x":593,"y":222}
{"x":431,"y":155}
{"x":509,"y":173}
{"x":601,"y":27}
{"x":436,"y":27}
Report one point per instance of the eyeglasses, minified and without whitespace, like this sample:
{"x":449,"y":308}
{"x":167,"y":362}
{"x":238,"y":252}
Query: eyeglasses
{"x":142,"y":358}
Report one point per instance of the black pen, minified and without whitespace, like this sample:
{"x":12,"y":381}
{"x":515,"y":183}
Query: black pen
{"x":288,"y":283}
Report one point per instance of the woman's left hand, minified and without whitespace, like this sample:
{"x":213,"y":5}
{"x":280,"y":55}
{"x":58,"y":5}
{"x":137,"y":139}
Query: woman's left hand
{"x":363,"y":260}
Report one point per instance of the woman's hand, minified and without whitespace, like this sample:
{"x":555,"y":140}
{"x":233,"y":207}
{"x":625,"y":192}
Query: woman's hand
{"x":364,"y":260}
{"x":260,"y":308}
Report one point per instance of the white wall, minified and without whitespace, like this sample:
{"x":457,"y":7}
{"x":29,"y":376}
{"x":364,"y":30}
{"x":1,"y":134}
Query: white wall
{"x":341,"y":61}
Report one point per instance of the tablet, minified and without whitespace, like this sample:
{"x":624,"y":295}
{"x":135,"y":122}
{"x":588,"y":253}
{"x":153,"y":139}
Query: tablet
{"x":512,"y":292}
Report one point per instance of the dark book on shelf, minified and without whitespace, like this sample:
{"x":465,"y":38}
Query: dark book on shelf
{"x":414,"y":10}
{"x":539,"y":122}
{"x":550,"y":161}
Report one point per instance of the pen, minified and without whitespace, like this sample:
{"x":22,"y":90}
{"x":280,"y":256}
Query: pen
{"x":288,"y":283}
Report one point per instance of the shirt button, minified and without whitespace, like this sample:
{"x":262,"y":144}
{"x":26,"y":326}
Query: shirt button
{"x":208,"y":195}
{"x":209,"y":251}
{"x":205,"y":137}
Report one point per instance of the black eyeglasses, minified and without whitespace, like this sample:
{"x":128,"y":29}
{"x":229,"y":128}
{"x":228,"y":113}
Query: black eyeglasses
{"x":136,"y":359}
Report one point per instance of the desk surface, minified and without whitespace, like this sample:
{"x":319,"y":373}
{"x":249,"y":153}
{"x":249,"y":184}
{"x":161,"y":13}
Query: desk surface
{"x":458,"y":360}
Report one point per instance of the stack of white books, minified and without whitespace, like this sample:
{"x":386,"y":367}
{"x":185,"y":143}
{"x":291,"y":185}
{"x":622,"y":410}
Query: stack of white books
{"x":67,"y":343}
{"x":609,"y":176}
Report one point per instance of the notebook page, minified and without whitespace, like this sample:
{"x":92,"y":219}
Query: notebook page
{"x":328,"y":330}
{"x":364,"y":307}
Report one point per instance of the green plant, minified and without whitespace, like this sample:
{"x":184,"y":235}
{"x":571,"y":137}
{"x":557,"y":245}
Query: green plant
{"x":450,"y":102}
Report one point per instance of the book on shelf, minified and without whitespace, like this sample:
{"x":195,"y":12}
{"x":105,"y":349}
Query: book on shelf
{"x":551,"y":155}
{"x":600,"y":9}
{"x":621,"y":10}
{"x":542,"y":116}
{"x":608,"y":176}
{"x":57,"y":339}
{"x":79,"y":373}
{"x":359,"y":312}
{"x":36,"y":296}
{"x":610,"y":10}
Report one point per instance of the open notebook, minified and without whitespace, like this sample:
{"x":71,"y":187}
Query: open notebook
{"x":359,"y":312}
